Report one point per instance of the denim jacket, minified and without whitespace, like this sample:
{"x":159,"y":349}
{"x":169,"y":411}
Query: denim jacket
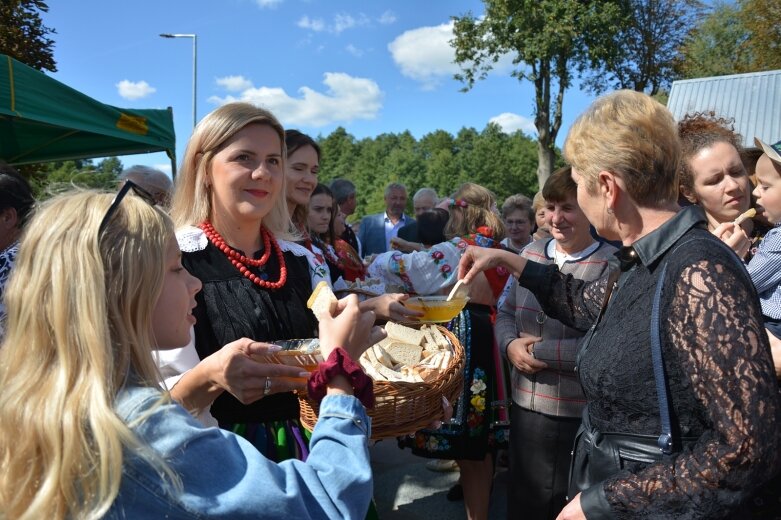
{"x":224,"y":476}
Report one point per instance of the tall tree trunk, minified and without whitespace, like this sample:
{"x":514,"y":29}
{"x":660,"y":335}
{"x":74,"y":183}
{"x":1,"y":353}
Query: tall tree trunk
{"x":545,"y":160}
{"x":546,"y":132}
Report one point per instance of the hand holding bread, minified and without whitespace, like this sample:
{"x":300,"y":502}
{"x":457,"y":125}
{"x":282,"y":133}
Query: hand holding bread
{"x":342,"y":323}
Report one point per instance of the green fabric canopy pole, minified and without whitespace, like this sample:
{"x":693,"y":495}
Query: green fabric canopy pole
{"x":43,"y":120}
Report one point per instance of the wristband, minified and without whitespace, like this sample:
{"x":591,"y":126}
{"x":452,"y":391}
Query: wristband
{"x":339,"y":363}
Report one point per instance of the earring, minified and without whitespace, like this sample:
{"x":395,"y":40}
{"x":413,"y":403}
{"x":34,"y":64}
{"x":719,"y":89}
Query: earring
{"x":609,"y":211}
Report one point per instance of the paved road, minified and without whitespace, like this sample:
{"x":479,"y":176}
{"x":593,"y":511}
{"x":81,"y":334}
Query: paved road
{"x":405,"y":490}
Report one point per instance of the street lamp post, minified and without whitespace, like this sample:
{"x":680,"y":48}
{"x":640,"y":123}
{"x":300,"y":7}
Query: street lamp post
{"x":195,"y":63}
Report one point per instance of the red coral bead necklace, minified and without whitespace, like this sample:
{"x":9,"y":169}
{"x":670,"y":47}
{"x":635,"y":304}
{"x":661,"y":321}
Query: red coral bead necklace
{"x":240,"y":261}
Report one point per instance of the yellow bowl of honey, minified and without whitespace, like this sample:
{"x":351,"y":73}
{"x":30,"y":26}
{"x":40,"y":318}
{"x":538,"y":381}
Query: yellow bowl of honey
{"x":436,"y":309}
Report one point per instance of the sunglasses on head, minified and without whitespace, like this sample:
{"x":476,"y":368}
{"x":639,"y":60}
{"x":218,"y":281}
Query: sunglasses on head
{"x":126,"y":187}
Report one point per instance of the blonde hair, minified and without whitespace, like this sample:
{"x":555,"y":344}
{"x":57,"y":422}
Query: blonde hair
{"x":191,"y":202}
{"x":633,"y":136}
{"x":538,"y":201}
{"x":480,"y":210}
{"x":79,"y":325}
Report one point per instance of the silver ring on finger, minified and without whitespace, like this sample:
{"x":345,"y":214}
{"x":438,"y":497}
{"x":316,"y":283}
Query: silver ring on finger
{"x":267,"y":386}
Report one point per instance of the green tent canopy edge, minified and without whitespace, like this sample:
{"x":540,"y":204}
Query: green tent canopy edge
{"x":43,"y":120}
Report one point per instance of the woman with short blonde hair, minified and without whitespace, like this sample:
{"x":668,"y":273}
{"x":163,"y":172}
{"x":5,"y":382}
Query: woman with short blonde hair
{"x":646,"y":157}
{"x":670,"y":332}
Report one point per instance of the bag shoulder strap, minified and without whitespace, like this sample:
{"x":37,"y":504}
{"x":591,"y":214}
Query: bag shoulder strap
{"x":665,"y":440}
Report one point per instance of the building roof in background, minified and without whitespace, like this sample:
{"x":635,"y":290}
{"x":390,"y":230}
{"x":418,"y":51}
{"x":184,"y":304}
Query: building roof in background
{"x":753,"y":100}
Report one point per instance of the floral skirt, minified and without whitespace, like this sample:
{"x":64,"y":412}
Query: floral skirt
{"x":479,"y":423}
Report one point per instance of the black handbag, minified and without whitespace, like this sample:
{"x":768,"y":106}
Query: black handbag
{"x":598,"y":455}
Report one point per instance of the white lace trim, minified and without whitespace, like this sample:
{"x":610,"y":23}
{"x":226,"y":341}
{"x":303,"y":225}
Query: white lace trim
{"x":192,"y":239}
{"x":296,"y":249}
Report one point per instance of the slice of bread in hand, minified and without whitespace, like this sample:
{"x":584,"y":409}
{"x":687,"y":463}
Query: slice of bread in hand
{"x":322,"y":300}
{"x":404,"y":334}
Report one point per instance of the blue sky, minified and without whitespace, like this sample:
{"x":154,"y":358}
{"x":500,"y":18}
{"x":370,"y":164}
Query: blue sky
{"x":371,"y":67}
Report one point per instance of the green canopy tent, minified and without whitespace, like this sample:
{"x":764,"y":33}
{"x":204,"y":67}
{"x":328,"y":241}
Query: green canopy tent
{"x":43,"y":120}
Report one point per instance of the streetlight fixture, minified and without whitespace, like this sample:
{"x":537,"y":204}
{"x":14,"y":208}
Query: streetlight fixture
{"x":195,"y":63}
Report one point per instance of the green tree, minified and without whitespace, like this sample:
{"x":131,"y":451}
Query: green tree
{"x":718,"y":46}
{"x":49,"y":179}
{"x":504,"y":163}
{"x":734,"y":38}
{"x":762,"y":20}
{"x":547,"y":39}
{"x":338,"y":151}
{"x":23,"y":35}
{"x":644,"y":49}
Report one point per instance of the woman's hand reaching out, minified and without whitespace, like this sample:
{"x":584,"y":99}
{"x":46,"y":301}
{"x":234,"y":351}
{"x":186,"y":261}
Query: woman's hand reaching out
{"x":390,"y":307}
{"x":478,"y":259}
{"x":233,"y":368}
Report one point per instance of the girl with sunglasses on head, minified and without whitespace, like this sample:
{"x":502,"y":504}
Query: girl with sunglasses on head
{"x":85,"y":431}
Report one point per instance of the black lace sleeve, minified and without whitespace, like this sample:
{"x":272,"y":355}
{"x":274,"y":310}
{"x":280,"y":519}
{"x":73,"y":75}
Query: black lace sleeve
{"x":716,"y":329}
{"x":574,"y":302}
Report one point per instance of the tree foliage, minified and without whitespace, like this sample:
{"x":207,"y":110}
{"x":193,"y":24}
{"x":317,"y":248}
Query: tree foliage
{"x":505,"y":164}
{"x":23,"y":35}
{"x":547,"y":40}
{"x":49,"y":179}
{"x":644,"y":50}
{"x":732,"y":39}
{"x":762,"y":20}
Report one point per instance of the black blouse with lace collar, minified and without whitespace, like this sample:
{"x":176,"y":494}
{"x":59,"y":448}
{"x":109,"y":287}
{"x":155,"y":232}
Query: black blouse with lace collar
{"x":719,"y":371}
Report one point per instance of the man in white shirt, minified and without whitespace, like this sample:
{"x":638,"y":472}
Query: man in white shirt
{"x":377,"y":230}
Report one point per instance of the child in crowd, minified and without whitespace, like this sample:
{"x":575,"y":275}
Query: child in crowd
{"x":765,"y":266}
{"x":85,"y":431}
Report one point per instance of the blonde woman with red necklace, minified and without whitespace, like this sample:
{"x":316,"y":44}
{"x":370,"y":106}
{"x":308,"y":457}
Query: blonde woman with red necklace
{"x":236,"y":237}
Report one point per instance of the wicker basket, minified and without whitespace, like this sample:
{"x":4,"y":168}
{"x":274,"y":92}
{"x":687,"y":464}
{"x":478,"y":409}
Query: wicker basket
{"x":400,"y":407}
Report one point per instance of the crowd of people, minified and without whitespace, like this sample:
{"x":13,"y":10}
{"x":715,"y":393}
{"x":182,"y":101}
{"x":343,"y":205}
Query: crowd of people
{"x":622,"y":340}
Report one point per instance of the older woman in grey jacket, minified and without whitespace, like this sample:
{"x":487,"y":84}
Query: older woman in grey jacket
{"x":541,"y":351}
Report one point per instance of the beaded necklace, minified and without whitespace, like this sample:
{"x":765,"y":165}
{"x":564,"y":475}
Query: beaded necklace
{"x":240,"y":261}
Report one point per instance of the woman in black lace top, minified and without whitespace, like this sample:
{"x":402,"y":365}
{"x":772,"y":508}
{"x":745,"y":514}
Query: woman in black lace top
{"x":722,"y":391}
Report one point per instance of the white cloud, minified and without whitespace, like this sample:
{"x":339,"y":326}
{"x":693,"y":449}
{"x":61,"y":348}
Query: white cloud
{"x":425,"y":55}
{"x":134,"y":90}
{"x":313,"y":24}
{"x":340,"y":23}
{"x":234,"y":83}
{"x":387,"y":18}
{"x":355,"y":51}
{"x":343,"y":22}
{"x":346,"y":98}
{"x":511,"y":123}
{"x":268,"y":3}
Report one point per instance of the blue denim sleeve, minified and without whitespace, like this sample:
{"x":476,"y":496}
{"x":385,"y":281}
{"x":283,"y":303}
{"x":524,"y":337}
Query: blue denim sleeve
{"x":224,"y":476}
